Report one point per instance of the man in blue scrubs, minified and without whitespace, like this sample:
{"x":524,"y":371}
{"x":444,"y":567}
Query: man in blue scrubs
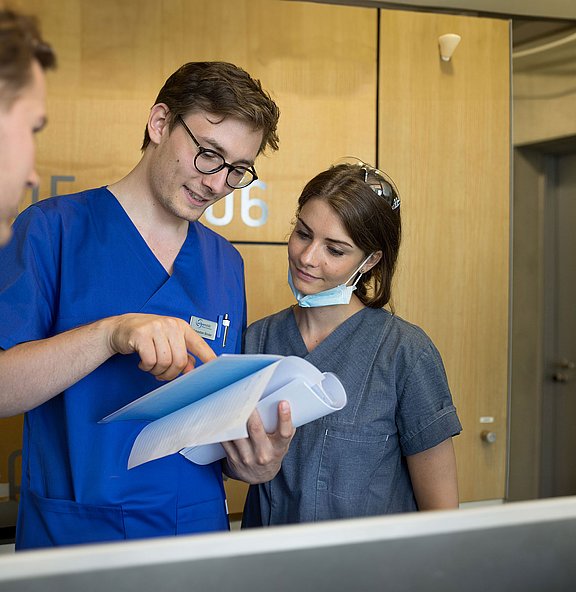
{"x":23,"y":58}
{"x":98,"y":295}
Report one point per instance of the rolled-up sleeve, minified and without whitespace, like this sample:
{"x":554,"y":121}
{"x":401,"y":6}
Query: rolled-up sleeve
{"x":426,"y":415}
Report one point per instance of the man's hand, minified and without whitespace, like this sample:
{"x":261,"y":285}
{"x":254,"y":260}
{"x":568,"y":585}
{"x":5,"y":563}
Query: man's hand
{"x":35,"y":371}
{"x":257,"y":459}
{"x":164,"y":344}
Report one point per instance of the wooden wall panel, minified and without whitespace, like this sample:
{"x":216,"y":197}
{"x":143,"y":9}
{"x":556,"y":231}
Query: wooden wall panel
{"x":115,"y":56}
{"x":444,"y":136}
{"x":266,"y":270}
{"x":319,"y":63}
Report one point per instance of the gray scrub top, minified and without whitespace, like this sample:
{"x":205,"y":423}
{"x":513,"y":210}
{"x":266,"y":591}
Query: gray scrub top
{"x":352,"y":463}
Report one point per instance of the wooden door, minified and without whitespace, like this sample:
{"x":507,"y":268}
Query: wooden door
{"x":444,"y":137}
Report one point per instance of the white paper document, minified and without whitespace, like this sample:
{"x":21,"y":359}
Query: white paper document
{"x":195,"y":412}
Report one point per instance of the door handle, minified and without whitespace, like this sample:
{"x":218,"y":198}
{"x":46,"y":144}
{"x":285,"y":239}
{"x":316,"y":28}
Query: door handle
{"x":488,"y":437}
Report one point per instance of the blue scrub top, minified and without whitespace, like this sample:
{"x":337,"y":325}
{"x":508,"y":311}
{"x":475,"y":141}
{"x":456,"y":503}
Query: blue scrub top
{"x":74,"y":260}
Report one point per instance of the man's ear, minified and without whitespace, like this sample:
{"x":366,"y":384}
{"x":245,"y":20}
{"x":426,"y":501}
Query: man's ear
{"x":158,"y":122}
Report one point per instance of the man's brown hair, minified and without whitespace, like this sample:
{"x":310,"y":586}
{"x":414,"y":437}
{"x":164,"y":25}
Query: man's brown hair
{"x":20,"y":44}
{"x":221,"y":89}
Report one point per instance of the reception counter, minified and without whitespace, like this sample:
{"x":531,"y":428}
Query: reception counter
{"x":520,"y":546}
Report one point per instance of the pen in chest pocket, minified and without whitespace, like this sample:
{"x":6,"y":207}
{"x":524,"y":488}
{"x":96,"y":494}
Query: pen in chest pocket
{"x":225,"y":324}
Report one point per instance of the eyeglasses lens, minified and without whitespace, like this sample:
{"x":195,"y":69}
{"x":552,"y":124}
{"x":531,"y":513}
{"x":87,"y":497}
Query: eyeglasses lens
{"x":210,"y":162}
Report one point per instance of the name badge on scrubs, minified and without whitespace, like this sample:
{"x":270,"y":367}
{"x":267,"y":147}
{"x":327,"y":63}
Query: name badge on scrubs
{"x":204,"y":328}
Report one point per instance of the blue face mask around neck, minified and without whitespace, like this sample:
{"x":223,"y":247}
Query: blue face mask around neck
{"x":340,"y":294}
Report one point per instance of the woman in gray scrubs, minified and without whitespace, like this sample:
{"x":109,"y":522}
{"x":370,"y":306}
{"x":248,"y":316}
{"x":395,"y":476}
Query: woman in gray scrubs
{"x":390,"y":449}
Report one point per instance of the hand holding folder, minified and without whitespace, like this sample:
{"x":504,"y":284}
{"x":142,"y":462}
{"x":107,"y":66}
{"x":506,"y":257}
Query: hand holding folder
{"x":211,"y":404}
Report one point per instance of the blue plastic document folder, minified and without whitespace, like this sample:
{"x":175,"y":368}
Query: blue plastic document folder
{"x":193,"y":386}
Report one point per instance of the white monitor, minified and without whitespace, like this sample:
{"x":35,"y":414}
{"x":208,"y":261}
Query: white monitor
{"x":514,"y":547}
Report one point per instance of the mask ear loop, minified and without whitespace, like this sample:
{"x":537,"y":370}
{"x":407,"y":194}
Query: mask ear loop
{"x":361,"y":273}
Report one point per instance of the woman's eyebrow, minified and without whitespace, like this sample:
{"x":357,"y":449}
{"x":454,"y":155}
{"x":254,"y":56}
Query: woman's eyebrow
{"x":331,"y":240}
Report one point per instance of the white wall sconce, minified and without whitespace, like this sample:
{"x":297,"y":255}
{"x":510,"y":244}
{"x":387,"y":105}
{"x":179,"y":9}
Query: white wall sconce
{"x":448,"y":43}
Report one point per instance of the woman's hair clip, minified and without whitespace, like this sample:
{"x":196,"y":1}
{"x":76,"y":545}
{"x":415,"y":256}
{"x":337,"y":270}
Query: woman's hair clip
{"x":378,"y":181}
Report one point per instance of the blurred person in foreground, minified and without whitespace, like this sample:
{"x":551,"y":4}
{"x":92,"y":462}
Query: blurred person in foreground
{"x":24,"y":57}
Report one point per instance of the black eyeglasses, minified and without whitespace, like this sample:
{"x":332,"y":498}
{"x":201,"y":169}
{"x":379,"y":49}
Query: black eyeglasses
{"x":378,"y":181}
{"x":209,"y":162}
